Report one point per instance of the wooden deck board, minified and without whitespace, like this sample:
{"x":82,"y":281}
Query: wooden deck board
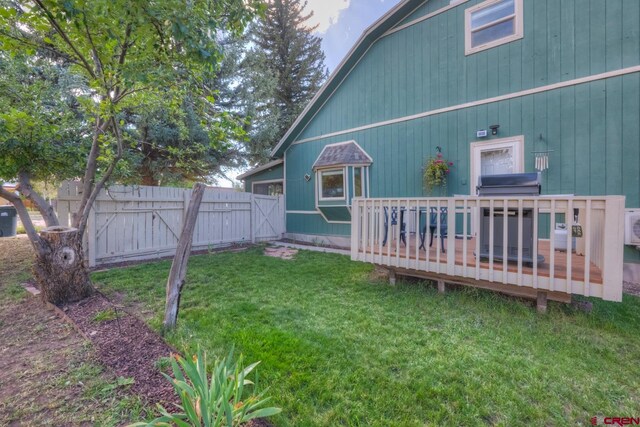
{"x":560,"y":264}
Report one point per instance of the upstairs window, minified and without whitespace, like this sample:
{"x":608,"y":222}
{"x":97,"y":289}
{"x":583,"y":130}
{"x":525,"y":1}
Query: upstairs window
{"x":492,"y":23}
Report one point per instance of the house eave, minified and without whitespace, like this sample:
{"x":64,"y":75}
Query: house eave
{"x":259,"y":169}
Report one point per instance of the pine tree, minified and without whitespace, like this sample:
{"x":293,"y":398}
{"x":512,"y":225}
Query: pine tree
{"x":287,"y":50}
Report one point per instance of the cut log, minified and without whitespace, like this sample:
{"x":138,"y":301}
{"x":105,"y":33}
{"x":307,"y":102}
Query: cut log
{"x":60,"y":269}
{"x":181,"y":259}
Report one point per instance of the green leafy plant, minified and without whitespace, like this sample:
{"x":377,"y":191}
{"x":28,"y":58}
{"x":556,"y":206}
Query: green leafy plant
{"x":222,"y":401}
{"x":106,"y":315}
{"x":436,"y":171}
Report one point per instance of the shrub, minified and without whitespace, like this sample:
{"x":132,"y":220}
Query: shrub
{"x":222,"y":401}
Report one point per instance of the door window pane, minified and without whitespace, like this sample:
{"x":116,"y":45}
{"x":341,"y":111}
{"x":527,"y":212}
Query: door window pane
{"x":497,"y":162}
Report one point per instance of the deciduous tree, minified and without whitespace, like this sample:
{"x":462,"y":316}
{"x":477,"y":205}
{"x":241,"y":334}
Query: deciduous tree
{"x":125,"y":54}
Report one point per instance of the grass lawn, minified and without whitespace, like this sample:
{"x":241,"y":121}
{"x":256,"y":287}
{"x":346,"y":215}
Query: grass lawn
{"x":339,"y":347}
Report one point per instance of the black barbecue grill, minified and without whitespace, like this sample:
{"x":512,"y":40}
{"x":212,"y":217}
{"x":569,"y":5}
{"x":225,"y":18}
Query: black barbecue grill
{"x":519,"y":184}
{"x":514,"y":184}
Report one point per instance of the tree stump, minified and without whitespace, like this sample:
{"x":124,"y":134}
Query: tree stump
{"x":60,"y":269}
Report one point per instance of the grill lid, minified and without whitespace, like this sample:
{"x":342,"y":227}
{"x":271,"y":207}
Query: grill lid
{"x":526,"y":184}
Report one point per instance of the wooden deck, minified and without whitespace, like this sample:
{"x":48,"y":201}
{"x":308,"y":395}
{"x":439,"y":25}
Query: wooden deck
{"x":560,"y":258}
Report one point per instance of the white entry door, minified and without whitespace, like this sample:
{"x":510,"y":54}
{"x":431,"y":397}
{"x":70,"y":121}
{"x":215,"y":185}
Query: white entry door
{"x":496,"y":157}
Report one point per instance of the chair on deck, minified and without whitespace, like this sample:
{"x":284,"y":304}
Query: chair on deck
{"x":433,"y":225}
{"x":394,"y":221}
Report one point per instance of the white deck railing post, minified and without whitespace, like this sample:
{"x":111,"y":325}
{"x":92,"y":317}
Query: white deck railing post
{"x":613,"y":249}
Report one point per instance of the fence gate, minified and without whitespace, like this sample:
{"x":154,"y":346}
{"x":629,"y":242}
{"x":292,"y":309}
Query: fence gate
{"x":138,"y":223}
{"x":268,"y":217}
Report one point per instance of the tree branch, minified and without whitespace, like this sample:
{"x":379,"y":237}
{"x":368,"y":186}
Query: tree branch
{"x":23,"y":213}
{"x":65,"y":37}
{"x":92,"y":167}
{"x":46,"y":210}
{"x":84,"y":213}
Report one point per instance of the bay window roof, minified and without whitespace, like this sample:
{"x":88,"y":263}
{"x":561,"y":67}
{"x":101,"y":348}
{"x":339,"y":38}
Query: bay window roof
{"x":341,"y":154}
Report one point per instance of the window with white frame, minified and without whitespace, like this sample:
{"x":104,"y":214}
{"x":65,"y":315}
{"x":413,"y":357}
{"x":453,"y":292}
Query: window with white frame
{"x":492,"y":23}
{"x":358,"y":182}
{"x":332,"y":184}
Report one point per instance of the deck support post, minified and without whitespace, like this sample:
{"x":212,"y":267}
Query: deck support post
{"x":541,"y":304}
{"x":392,"y":277}
{"x":441,"y":287}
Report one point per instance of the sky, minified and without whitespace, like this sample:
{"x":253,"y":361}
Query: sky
{"x":341,"y":22}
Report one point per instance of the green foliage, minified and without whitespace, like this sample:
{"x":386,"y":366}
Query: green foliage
{"x":435,"y":173}
{"x":106,"y":315}
{"x":120,"y":56}
{"x":40,"y":123}
{"x":221,"y":401}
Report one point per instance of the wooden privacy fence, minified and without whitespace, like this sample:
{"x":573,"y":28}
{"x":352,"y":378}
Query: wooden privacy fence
{"x":470,"y":235}
{"x":139,"y":223}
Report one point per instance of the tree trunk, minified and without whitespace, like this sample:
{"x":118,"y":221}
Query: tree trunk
{"x":179,"y":266}
{"x":60,"y":270}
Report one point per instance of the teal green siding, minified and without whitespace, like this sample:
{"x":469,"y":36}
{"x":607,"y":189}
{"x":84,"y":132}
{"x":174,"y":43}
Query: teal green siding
{"x":274,"y":173}
{"x":595,"y":143}
{"x":315,"y":225}
{"x":593,"y":128}
{"x":423,"y":67}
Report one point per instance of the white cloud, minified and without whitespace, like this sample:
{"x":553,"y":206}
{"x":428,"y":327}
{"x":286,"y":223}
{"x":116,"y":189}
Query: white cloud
{"x":326,"y":12}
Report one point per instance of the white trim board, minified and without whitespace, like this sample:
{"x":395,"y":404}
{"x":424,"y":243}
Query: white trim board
{"x":303,"y":212}
{"x":259,"y":169}
{"x":527,"y":92}
{"x":424,"y":18}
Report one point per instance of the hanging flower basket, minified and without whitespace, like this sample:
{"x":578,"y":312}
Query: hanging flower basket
{"x":436,"y":171}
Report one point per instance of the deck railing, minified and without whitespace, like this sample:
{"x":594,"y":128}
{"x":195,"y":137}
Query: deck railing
{"x":478,"y":233}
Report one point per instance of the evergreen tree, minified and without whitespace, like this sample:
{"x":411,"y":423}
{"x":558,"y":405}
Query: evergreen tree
{"x":289,"y":54}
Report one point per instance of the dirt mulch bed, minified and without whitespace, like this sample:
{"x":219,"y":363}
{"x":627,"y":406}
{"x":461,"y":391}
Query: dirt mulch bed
{"x":126,"y":345}
{"x":631,"y":288}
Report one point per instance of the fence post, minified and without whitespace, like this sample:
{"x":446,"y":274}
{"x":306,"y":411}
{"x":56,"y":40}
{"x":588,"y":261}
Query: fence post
{"x":252,"y":221}
{"x":355,"y":228}
{"x":451,"y":236}
{"x":612,"y":265}
{"x":186,"y":196}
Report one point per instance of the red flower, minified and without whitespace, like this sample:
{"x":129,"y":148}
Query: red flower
{"x":450,"y":163}
{"x":439,"y":155}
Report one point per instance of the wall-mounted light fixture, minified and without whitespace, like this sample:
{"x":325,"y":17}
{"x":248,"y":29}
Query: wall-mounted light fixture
{"x":307,"y":177}
{"x":494,"y":129}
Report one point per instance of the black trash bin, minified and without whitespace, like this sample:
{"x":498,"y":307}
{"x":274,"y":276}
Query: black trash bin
{"x":8,"y":221}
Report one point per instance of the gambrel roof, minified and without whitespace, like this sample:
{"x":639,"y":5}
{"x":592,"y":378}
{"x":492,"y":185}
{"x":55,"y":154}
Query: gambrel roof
{"x":370,"y":35}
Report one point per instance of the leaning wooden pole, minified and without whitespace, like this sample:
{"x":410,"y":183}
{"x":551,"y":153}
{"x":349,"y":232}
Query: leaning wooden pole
{"x":179,"y":266}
